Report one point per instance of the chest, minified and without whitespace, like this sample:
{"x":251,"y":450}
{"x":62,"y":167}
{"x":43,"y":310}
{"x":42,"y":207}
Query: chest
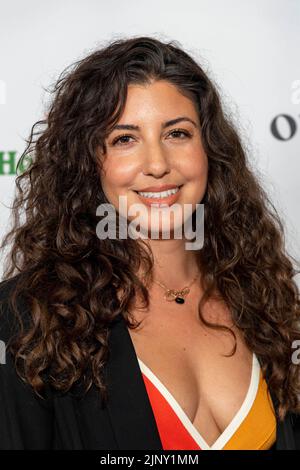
{"x":189,"y":360}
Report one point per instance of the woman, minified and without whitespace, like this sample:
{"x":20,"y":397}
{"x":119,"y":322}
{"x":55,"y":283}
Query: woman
{"x":141,"y":343}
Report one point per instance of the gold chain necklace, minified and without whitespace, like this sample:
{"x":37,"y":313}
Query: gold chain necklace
{"x":177,"y":295}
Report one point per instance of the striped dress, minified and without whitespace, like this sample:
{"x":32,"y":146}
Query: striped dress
{"x":252,"y":428}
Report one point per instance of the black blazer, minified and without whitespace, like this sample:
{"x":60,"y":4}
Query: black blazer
{"x":71,"y":422}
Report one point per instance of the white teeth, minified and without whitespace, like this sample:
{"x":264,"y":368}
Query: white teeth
{"x":159,"y":195}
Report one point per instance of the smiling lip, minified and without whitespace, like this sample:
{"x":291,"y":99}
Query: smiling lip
{"x":159,"y":189}
{"x":164,"y":201}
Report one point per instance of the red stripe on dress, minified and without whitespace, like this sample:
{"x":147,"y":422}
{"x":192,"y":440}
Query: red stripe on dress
{"x":173,"y":434}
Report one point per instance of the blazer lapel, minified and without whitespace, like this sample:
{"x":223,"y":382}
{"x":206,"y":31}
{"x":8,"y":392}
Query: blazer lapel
{"x":129,"y":407}
{"x":128,"y":404}
{"x":284,"y":430}
{"x":285,"y":436}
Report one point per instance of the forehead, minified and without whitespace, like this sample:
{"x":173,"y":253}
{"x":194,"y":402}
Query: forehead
{"x":159,"y":99}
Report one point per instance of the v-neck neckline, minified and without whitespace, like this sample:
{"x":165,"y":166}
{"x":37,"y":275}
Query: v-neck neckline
{"x":185,"y":420}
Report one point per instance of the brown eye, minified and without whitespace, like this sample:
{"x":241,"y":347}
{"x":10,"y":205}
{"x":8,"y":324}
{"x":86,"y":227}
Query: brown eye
{"x":180,"y":132}
{"x":120,"y":139}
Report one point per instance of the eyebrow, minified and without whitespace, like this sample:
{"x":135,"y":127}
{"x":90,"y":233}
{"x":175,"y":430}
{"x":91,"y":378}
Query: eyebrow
{"x":132,"y":127}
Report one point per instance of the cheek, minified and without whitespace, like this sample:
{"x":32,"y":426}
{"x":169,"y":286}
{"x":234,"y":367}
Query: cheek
{"x":195,"y":172}
{"x":117,"y":175}
{"x":201,"y":169}
{"x":195,"y":167}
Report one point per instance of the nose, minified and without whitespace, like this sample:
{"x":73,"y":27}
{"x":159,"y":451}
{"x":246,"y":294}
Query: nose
{"x":156,"y":160}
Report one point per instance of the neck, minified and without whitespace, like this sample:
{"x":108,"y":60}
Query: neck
{"x":174,"y":266}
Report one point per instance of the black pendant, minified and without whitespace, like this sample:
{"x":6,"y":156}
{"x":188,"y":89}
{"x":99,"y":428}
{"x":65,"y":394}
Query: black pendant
{"x":179,"y":300}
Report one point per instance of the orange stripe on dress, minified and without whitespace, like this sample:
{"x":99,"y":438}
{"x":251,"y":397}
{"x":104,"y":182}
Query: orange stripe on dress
{"x":258,"y":430}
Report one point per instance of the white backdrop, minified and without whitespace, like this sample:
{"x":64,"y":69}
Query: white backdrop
{"x":249,"y":48}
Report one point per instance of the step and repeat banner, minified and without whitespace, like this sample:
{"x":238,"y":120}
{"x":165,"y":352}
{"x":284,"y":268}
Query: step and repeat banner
{"x":250,"y":50}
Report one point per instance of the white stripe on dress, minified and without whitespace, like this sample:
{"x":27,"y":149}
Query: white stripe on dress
{"x":232,"y":426}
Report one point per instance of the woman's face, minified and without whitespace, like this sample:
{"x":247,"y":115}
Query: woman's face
{"x":150,"y":151}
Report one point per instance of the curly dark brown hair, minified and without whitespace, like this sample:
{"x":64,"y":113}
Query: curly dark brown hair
{"x":71,"y":279}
